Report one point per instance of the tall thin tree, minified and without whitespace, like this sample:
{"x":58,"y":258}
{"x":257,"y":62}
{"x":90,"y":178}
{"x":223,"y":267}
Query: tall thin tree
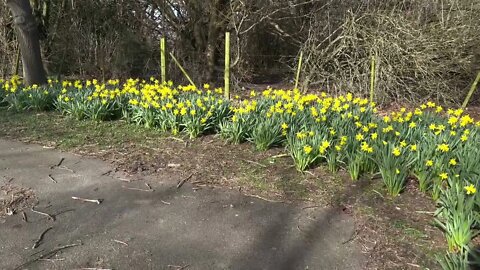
{"x":28,"y":39}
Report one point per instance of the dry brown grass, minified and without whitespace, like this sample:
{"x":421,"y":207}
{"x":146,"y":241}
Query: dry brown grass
{"x":424,"y":50}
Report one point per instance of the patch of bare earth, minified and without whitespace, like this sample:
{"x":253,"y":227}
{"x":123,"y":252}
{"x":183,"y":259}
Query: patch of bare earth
{"x":15,"y":199}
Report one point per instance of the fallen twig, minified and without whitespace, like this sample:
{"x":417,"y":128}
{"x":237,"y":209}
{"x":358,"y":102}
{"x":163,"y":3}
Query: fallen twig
{"x":58,"y":164}
{"x":120,"y":242}
{"x":254,"y":162}
{"x":148,"y":186}
{"x":265,"y":199}
{"x":7,"y":180}
{"x":63,"y":212}
{"x":380,"y":194}
{"x":90,"y":268}
{"x":106,"y":173}
{"x":97,"y":201}
{"x":352,"y":237}
{"x":176,"y":139}
{"x":53,"y":179}
{"x":40,"y":238}
{"x":425,"y":212}
{"x":94,"y":268}
{"x":46,"y":255}
{"x":173,"y":165}
{"x":66,"y":168}
{"x":180,"y":184}
{"x":138,"y":189}
{"x":280,"y":156}
{"x":311,"y":173}
{"x":198,"y":182}
{"x":164,"y":202}
{"x":52,"y":260}
{"x":43,"y":214}
{"x":178,"y":267}
{"x":311,"y":206}
{"x":9,"y":211}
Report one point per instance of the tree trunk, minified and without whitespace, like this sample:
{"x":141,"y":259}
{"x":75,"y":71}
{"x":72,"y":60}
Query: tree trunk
{"x":28,"y":39}
{"x":215,"y":27}
{"x":212,"y":40}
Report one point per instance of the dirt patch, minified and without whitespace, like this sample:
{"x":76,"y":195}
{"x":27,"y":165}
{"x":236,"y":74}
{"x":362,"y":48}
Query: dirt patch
{"x":15,"y":199}
{"x":397,"y":232}
{"x":474,"y":111}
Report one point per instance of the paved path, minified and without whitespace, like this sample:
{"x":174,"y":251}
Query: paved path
{"x":203,"y":229}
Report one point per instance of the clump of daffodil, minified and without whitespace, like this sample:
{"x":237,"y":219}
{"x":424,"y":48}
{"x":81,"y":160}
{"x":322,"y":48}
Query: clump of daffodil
{"x":394,"y":163}
{"x":305,"y":147}
{"x":437,"y":145}
{"x":457,"y":216}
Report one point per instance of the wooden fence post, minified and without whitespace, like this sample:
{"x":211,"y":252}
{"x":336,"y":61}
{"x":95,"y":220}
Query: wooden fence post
{"x":227,"y":65}
{"x":17,"y":62}
{"x":163,"y":61}
{"x":299,"y":68}
{"x":472,"y":89}
{"x":372,"y":78}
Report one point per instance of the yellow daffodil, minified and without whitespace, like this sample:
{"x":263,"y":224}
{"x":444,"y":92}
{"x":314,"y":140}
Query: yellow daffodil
{"x":443,"y":147}
{"x":470,"y":189}
{"x":307,"y":149}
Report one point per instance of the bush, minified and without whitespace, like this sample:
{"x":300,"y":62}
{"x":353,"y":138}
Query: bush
{"x":424,"y":50}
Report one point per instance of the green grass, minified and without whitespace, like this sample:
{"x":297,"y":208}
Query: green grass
{"x":254,"y":177}
{"x":67,"y":134}
{"x":292,"y":187}
{"x":408,"y":230}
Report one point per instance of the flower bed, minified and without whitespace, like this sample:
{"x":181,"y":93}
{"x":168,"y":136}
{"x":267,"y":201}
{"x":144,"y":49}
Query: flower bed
{"x":437,"y":147}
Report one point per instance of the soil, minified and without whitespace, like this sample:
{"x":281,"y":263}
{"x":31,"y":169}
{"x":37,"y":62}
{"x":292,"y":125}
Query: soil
{"x":15,"y":199}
